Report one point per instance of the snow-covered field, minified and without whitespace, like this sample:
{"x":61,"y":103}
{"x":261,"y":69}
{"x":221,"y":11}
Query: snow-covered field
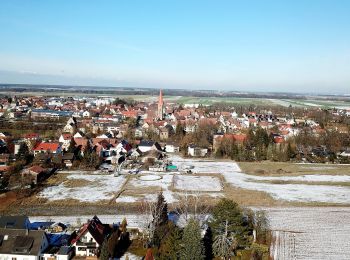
{"x":150,"y":180}
{"x":197,"y":183}
{"x":289,"y":192}
{"x":310,"y":233}
{"x":98,"y":187}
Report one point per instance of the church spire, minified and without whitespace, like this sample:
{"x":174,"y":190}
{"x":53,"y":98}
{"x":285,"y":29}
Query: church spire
{"x":160,"y":99}
{"x":160,"y":105}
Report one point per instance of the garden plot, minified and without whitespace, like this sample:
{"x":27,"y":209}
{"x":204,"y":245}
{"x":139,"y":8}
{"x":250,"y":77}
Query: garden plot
{"x":197,"y":183}
{"x":302,"y":192}
{"x":96,"y":187}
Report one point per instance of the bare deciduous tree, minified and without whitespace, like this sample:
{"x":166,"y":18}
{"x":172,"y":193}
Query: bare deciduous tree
{"x":192,"y":205}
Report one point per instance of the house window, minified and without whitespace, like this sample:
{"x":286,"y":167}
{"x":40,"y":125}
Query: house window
{"x":81,"y":249}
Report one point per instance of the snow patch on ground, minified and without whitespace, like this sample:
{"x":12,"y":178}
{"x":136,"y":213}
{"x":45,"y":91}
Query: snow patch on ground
{"x":197,"y":183}
{"x":164,"y":183}
{"x":100,"y":187}
{"x":290,"y":192}
{"x":127,"y":199}
{"x":310,"y":233}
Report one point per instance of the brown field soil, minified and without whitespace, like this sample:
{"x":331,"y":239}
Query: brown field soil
{"x":6,"y":199}
{"x":268,"y":168}
{"x":327,"y":183}
{"x":72,"y":183}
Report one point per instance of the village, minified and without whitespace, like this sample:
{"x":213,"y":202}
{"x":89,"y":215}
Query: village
{"x":105,"y":155}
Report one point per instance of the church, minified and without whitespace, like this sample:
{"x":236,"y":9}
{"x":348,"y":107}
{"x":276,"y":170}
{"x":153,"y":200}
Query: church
{"x":161,"y":107}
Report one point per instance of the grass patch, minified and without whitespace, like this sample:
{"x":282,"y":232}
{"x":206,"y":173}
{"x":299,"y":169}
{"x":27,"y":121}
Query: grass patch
{"x":327,"y":183}
{"x":267,"y":168}
{"x":74,"y":183}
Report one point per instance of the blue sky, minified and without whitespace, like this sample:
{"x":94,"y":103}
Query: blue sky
{"x":295,"y":46}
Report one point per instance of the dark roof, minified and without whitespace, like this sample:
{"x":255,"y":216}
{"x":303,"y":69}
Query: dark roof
{"x":68,"y":156}
{"x":57,"y":158}
{"x":14,"y":222}
{"x":157,"y":145}
{"x":21,"y":241}
{"x":43,"y":156}
{"x":146,"y":143}
{"x":64,"y":250}
{"x":23,"y":244}
{"x":60,"y":113}
{"x":95,"y":228}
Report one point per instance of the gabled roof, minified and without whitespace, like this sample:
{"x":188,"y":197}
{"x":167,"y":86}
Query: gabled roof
{"x":16,"y":222}
{"x":21,"y":241}
{"x":37,"y":169}
{"x":146,"y":143}
{"x":95,"y":228}
{"x":47,"y":146}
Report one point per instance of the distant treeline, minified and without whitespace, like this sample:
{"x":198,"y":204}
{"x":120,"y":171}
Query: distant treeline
{"x":102,"y":90}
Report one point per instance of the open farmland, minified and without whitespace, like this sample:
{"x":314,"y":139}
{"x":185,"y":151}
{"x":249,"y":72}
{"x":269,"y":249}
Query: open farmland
{"x":310,"y":233}
{"x":309,"y":101}
{"x":307,"y":190}
{"x":278,"y":185}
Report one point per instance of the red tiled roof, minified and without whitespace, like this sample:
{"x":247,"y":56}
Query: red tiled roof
{"x":47,"y":147}
{"x":131,"y":113}
{"x":31,"y":136}
{"x":36,"y":168}
{"x":81,"y":142}
{"x":4,"y":168}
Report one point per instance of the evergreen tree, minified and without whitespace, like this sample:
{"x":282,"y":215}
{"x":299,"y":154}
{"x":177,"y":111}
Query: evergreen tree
{"x":160,"y":213}
{"x":113,"y":243}
{"x":228,"y":215}
{"x":208,"y":244}
{"x":24,"y":154}
{"x":72,"y":148}
{"x":104,"y":255}
{"x":171,"y":244}
{"x":160,"y":219}
{"x":192,"y":242}
{"x":91,"y":159}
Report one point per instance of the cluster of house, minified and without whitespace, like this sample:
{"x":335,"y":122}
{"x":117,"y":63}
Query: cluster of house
{"x":22,"y":240}
{"x":112,"y":123}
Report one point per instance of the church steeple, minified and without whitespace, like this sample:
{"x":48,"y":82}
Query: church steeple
{"x":160,"y":106}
